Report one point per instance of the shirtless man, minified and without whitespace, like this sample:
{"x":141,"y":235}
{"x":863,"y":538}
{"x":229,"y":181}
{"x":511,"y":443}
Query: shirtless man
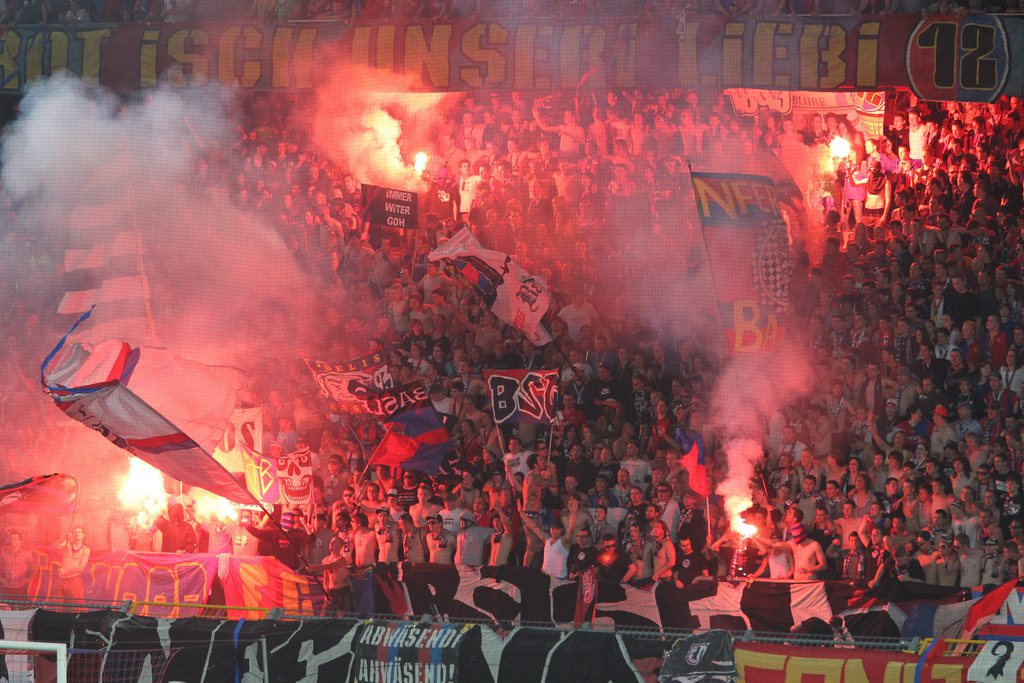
{"x":413,"y":546}
{"x":336,"y":578}
{"x":808,"y":558}
{"x":440,"y":544}
{"x":388,"y":537}
{"x":665,"y":553}
{"x":422,"y":508}
{"x":533,"y":488}
{"x":501,"y":540}
{"x":364,"y":543}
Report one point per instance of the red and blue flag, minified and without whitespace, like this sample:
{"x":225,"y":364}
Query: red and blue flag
{"x":416,"y":440}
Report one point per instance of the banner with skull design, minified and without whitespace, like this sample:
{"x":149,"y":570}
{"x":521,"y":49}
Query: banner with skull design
{"x":295,"y":476}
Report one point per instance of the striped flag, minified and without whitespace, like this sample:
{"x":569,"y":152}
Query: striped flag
{"x":165,"y":410}
{"x":103,"y":267}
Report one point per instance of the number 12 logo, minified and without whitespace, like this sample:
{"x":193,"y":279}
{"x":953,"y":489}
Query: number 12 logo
{"x":965,"y":60}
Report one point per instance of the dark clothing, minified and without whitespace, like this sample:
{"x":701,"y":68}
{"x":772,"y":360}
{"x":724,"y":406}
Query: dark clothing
{"x":176,"y":536}
{"x":689,"y":567}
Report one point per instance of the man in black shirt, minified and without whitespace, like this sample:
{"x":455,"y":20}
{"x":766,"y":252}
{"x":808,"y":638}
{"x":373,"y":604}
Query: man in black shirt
{"x":690,"y":564}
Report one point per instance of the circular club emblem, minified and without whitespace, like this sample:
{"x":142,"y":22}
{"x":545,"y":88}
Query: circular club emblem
{"x":950,"y":59}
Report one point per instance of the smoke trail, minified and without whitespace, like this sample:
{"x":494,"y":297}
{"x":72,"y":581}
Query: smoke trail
{"x":223,"y":287}
{"x":373,"y":122}
{"x":750,"y":390}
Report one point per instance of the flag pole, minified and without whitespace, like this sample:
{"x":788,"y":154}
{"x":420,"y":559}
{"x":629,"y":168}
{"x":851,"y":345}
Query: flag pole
{"x":373,"y":455}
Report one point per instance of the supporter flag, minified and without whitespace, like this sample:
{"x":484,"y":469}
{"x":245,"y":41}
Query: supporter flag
{"x":513,"y":295}
{"x":244,"y":431}
{"x":168,"y":411}
{"x":260,"y":476}
{"x":415,"y":440}
{"x":985,"y":608}
{"x":522,"y":395}
{"x":103,"y":265}
{"x":748,"y":250}
{"x":55,"y":492}
{"x":346,"y":386}
{"x":694,"y":462}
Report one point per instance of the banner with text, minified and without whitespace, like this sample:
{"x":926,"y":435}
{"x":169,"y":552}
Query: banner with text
{"x":970,"y":57}
{"x":747,"y":244}
{"x":346,"y":386}
{"x":522,"y":395}
{"x":390,"y":207}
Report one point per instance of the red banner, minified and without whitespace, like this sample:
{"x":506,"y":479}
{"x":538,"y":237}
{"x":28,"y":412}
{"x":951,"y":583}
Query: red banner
{"x":140,"y":577}
{"x":265,"y":582}
{"x":783,"y":663}
{"x":974,"y":57}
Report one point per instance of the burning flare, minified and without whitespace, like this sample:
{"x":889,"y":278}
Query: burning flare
{"x":209,"y":507}
{"x":421,"y":162}
{"x":143,"y":493}
{"x":840,"y":148}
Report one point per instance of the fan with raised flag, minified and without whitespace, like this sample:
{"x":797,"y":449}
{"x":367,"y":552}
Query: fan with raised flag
{"x":416,"y":439}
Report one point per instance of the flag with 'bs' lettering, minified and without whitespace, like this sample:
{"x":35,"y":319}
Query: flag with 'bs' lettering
{"x":747,"y":245}
{"x":522,"y":395}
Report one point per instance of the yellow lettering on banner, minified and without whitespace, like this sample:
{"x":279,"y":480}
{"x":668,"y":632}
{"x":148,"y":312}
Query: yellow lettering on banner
{"x":569,"y":54}
{"x":386,"y":47}
{"x":764,"y":53}
{"x":178,"y":49}
{"x":706,"y":194}
{"x":591,"y":48}
{"x":293,"y":589}
{"x":490,"y":63}
{"x":148,"y":50}
{"x":853,"y":672}
{"x":227,"y":56}
{"x":749,"y":662}
{"x":950,"y":673}
{"x":430,"y":62}
{"x":745,"y":319}
{"x":92,"y":45}
{"x":34,"y":57}
{"x":280,"y":74}
{"x":781,"y":54}
{"x":687,"y":58}
{"x":254,"y":583}
{"x":809,"y":55}
{"x":814,"y":56}
{"x":9,"y":70}
{"x":625,"y":64}
{"x":58,"y":51}
{"x":302,"y":58}
{"x":867,"y":54}
{"x":361,"y":36}
{"x":822,"y":670}
{"x":522,"y":57}
{"x":732,"y":54}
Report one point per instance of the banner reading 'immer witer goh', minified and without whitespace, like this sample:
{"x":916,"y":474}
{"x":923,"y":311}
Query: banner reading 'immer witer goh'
{"x":748,"y":252}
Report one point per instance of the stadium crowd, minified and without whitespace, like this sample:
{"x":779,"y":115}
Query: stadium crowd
{"x":904,"y":463}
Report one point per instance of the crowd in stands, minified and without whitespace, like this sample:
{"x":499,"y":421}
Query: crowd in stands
{"x":903,"y":463}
